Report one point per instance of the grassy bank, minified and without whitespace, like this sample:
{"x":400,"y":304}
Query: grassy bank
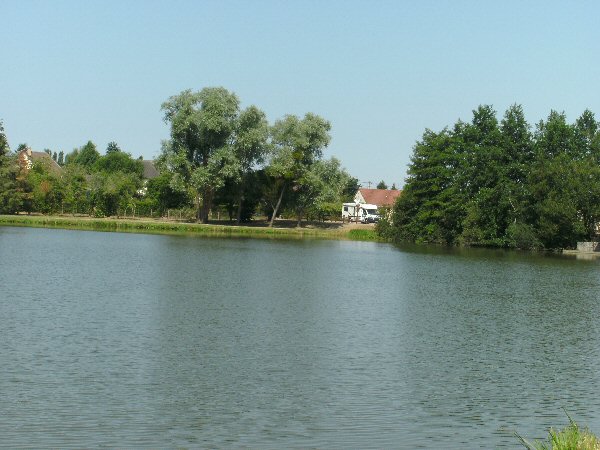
{"x":153,"y":226}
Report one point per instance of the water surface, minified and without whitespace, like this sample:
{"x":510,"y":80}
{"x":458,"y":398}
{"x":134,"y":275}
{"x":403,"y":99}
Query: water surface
{"x":127,"y":340}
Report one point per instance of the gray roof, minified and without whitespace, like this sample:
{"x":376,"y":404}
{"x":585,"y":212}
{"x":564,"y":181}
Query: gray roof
{"x":44,"y":158}
{"x":150,"y":170}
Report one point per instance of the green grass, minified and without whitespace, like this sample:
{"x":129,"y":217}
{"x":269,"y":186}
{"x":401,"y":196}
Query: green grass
{"x":363,"y":235}
{"x":570,"y":438}
{"x":162,"y":227}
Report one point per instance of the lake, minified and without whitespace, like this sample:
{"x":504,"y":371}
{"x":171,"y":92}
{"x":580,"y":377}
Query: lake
{"x":131,"y":340}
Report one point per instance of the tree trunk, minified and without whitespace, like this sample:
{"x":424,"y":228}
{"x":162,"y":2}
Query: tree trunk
{"x":277,"y":206}
{"x":299,"y":213}
{"x":198,"y":210}
{"x":240,"y":199}
{"x":205,"y":206}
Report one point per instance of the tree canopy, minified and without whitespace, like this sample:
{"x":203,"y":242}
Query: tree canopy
{"x":497,"y":183}
{"x":219,"y":158}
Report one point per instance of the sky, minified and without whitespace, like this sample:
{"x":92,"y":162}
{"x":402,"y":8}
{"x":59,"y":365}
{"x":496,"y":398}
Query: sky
{"x":380,"y":71}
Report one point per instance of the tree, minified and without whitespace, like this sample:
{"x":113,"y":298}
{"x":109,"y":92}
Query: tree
{"x":493,"y":174}
{"x":588,"y":135}
{"x":112,"y":147}
{"x":85,"y":156}
{"x":499,"y":184}
{"x":46,"y":189}
{"x":201,"y":127}
{"x":382,"y":185}
{"x":334,"y":186}
{"x":4,"y":147}
{"x":111,"y":192}
{"x":119,"y":162}
{"x":250,"y":148}
{"x":77,"y":193}
{"x":297,"y":144}
{"x":159,"y":190}
{"x":55,"y":156}
{"x":61,"y":158}
{"x":394,"y":188}
{"x":430,"y":207}
{"x":10,"y":198}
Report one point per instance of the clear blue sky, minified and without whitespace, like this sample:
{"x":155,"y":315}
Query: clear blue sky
{"x":380,"y":71}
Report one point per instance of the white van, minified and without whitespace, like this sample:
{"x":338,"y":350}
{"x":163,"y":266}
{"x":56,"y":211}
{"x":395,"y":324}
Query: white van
{"x":354,"y":212}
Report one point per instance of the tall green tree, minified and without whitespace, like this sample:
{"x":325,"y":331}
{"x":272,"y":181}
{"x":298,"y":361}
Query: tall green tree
{"x":85,"y":156}
{"x":118,"y":161}
{"x":431,"y":206}
{"x":202,"y":124}
{"x":382,"y":185}
{"x":297,"y":144}
{"x":499,"y":184}
{"x":10,"y":198}
{"x":46,"y":188}
{"x":112,"y":147}
{"x":334,"y":187}
{"x":250,"y":146}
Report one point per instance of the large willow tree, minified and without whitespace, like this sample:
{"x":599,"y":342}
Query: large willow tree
{"x":202,"y":124}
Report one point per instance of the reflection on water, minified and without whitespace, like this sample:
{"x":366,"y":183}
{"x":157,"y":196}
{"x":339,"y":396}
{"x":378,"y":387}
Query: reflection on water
{"x":160,"y":341}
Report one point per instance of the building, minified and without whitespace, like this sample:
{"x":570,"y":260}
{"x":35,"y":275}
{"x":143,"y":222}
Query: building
{"x":27,"y":158}
{"x":383,"y":198}
{"x":150,"y":170}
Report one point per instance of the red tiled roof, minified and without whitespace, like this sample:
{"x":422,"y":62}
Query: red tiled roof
{"x":380,"y":197}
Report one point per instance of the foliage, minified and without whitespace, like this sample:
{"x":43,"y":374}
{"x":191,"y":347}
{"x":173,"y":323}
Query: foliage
{"x":4,"y":147}
{"x":118,"y":161}
{"x":47,"y":190}
{"x":160,"y":192}
{"x":85,"y":156}
{"x":570,"y":438}
{"x":249,"y":146}
{"x":201,"y":126}
{"x":112,"y":147}
{"x":498,"y":184}
{"x":10,"y":197}
{"x":382,"y":185}
{"x":297,"y":145}
{"x":112,"y":192}
{"x":219,"y":158}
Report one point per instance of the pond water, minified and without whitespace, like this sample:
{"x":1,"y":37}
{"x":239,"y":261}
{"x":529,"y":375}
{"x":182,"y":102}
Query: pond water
{"x":128,"y":340}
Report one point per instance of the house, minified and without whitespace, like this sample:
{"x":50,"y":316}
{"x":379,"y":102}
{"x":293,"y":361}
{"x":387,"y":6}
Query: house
{"x":150,"y":170}
{"x":27,"y":158}
{"x":383,"y":198}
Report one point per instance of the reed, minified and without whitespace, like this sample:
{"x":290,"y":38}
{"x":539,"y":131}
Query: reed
{"x":570,"y":438}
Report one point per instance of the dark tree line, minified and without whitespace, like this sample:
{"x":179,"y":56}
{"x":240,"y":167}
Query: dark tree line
{"x":502,"y":184}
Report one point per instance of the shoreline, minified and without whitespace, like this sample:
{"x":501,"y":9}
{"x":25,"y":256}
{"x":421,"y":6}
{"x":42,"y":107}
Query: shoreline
{"x":156,"y":226}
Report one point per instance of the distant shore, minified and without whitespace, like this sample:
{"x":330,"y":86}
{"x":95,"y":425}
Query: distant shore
{"x":282,"y":230}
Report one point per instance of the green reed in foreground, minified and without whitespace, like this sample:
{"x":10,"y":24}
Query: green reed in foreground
{"x":570,"y":438}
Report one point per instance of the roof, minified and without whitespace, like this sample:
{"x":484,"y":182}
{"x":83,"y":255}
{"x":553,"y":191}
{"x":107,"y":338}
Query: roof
{"x":380,"y":197}
{"x":150,"y":170}
{"x":42,"y":157}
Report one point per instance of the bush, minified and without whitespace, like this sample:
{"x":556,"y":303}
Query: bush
{"x":522,"y":236}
